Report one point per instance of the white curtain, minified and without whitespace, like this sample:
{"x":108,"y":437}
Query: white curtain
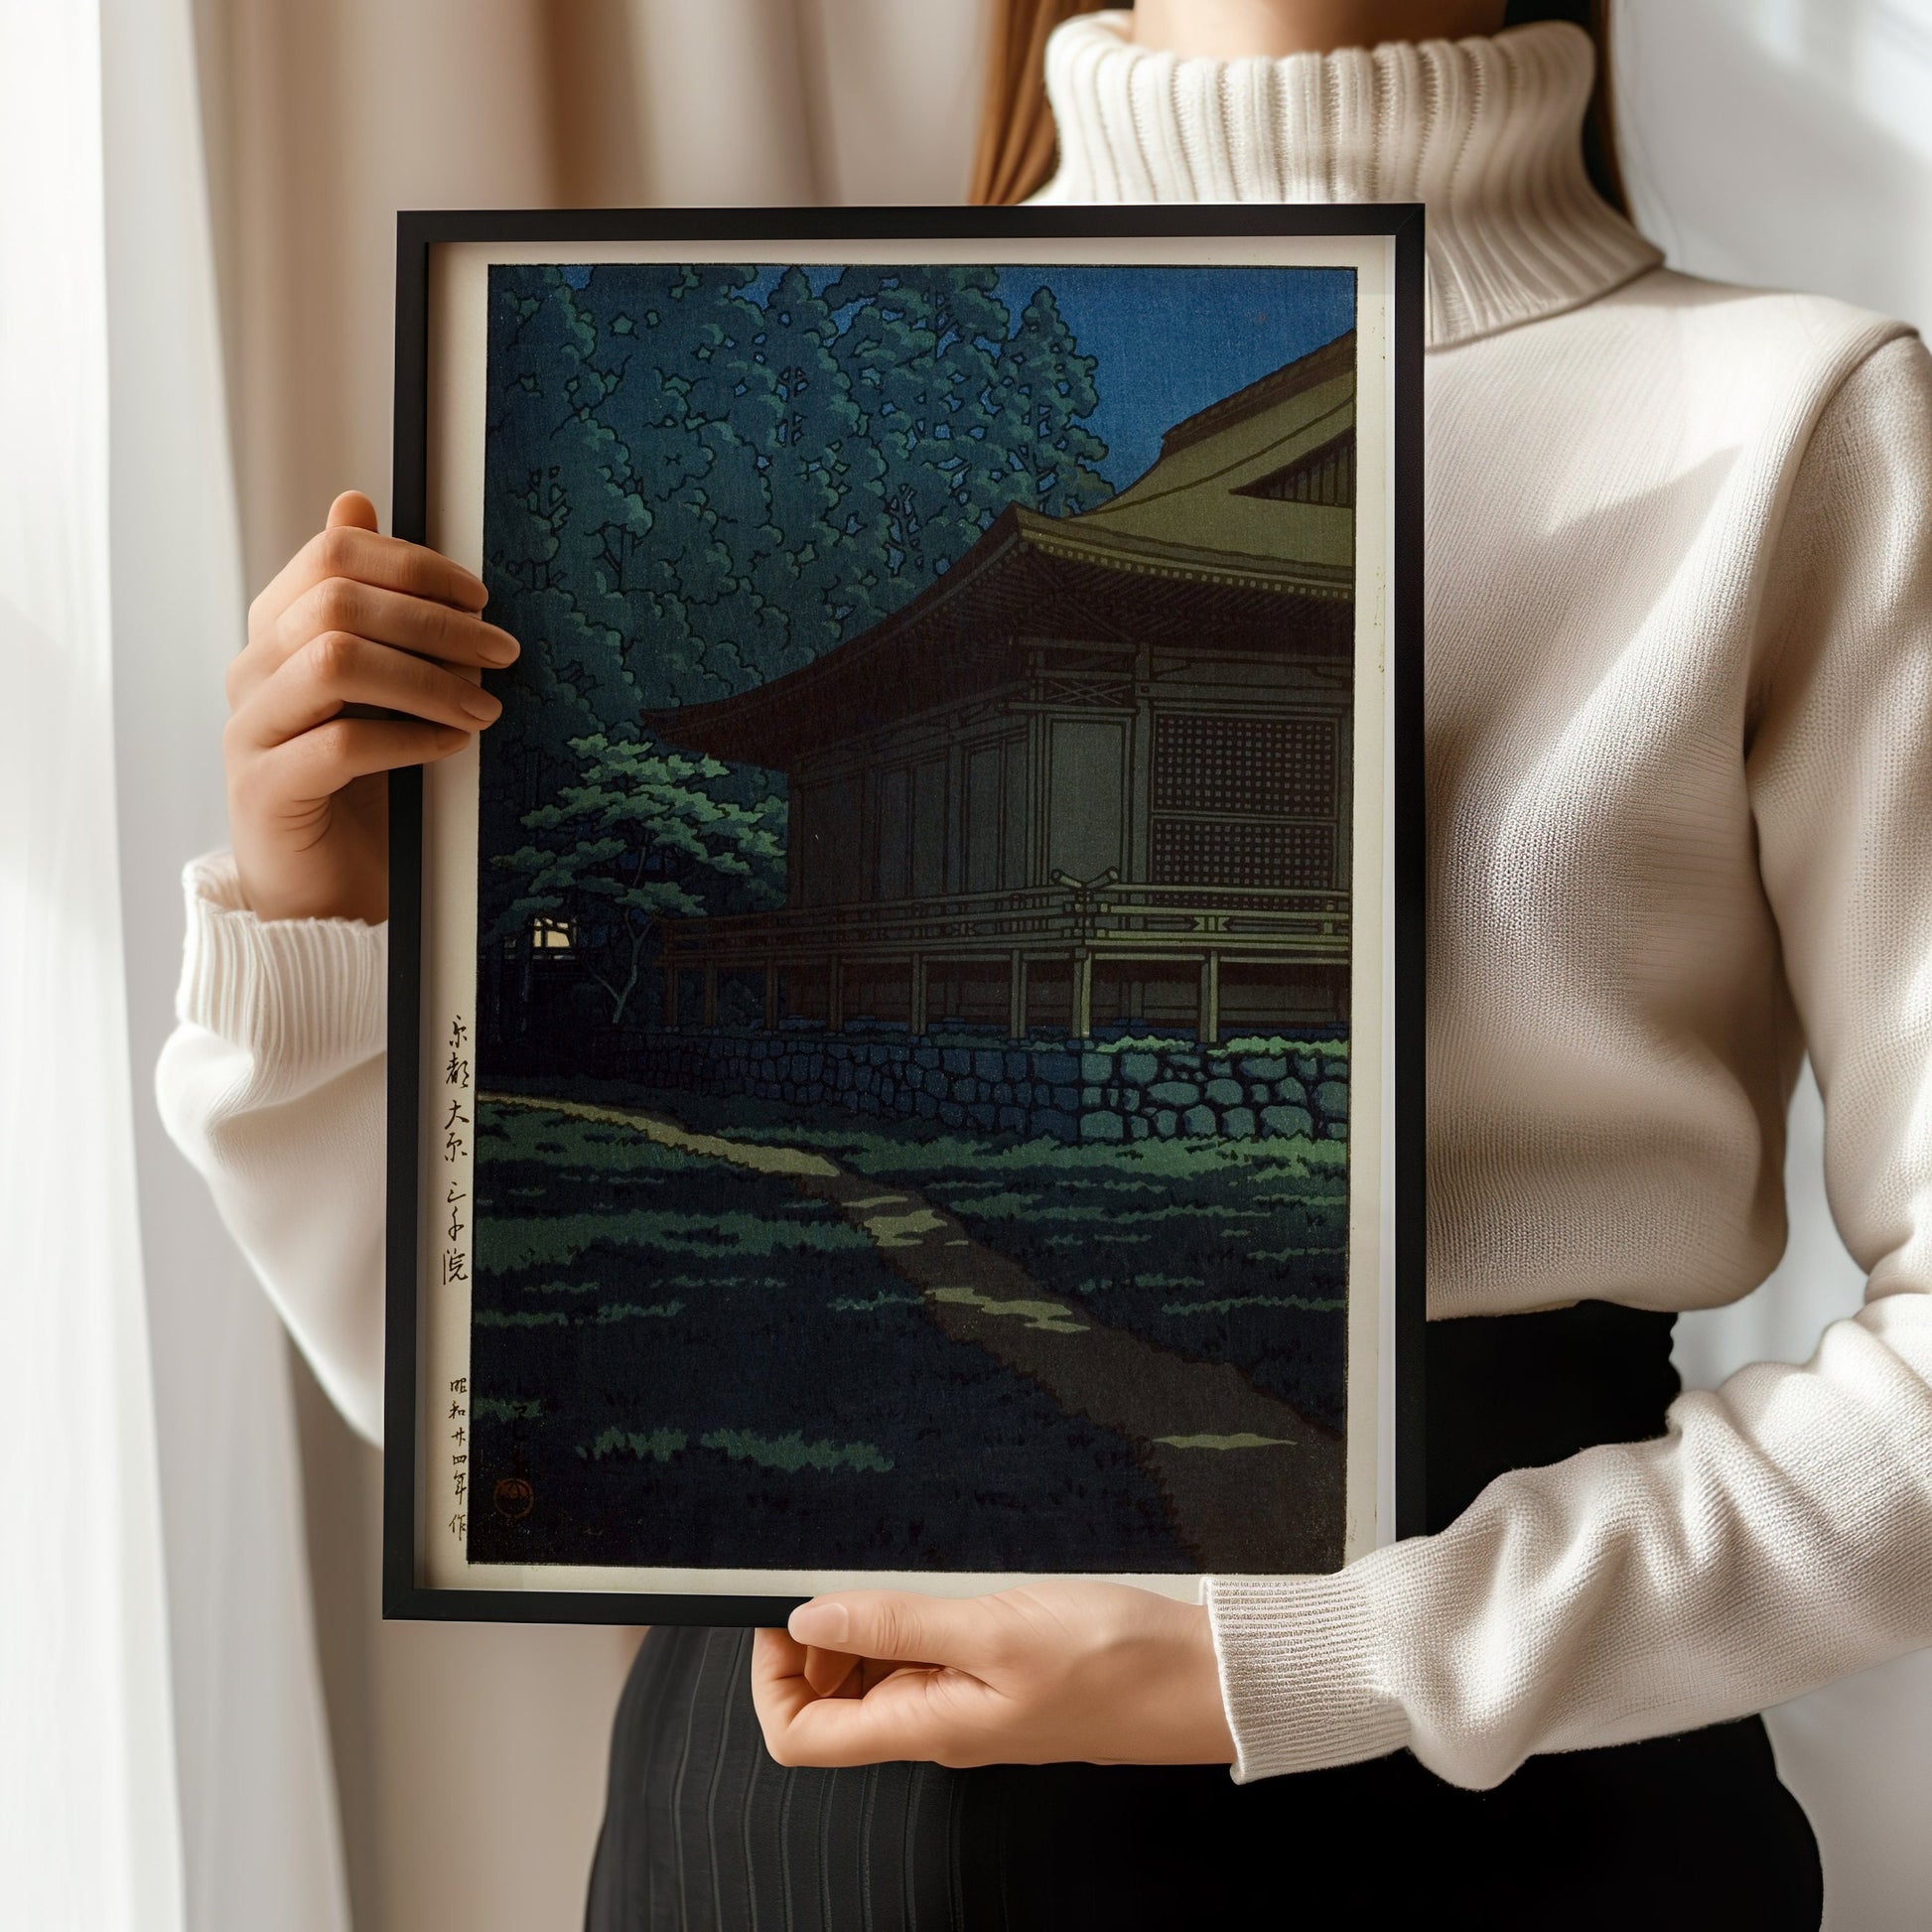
{"x":260,"y":1845}
{"x":163,"y":1759}
{"x":88,"y":1831}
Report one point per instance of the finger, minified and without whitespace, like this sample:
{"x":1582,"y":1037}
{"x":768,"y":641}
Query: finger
{"x":413,"y":623}
{"x":900,"y":1627}
{"x":832,"y":1673}
{"x":351,"y":510}
{"x":338,"y":668}
{"x":357,"y":551}
{"x":876,"y":1669}
{"x":776,"y":1655}
{"x":320,"y":763}
{"x":925,"y":1716}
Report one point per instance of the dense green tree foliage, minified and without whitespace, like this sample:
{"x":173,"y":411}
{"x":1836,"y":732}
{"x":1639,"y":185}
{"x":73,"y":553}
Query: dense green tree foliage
{"x":698,"y":479}
{"x":637,"y":838}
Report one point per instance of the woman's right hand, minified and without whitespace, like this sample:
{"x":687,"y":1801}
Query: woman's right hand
{"x":357,"y":626}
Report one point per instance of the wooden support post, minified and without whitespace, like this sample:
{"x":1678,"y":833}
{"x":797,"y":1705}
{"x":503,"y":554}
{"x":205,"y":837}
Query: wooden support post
{"x":1209,"y":1030}
{"x":835,"y":995}
{"x":1082,"y":996}
{"x":917,"y":1017}
{"x":770,"y":995}
{"x":670,"y":995}
{"x":710,"y":996}
{"x":1015,"y":995}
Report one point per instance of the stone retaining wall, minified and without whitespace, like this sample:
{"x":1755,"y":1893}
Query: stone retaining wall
{"x":1122,"y":1090}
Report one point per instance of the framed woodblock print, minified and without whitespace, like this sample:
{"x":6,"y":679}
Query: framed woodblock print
{"x":906,"y":1038}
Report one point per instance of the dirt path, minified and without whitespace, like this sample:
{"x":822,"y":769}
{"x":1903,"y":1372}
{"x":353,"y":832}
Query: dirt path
{"x":1250,"y":1484}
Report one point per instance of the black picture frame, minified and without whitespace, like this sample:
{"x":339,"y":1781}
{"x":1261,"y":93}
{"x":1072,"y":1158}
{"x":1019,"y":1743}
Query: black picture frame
{"x":418,"y":236}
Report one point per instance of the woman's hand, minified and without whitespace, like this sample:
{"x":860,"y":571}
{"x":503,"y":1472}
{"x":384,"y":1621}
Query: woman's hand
{"x":1049,"y":1673}
{"x":356,"y":626}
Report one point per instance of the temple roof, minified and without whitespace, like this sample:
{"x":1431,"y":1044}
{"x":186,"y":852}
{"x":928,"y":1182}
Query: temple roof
{"x":1189,"y":545}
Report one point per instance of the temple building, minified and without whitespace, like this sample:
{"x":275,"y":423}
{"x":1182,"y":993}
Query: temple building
{"x":1096,"y":774}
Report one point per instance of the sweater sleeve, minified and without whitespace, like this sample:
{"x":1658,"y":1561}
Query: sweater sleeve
{"x":1780,"y":1534}
{"x":272,"y":1084}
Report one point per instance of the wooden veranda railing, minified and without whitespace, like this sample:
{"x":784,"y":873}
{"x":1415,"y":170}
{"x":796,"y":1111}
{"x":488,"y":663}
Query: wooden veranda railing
{"x":1074,"y":922}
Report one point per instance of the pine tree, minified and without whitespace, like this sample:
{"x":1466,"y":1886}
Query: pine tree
{"x":1046,"y":395}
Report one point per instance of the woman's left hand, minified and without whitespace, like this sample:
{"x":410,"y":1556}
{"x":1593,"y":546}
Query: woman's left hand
{"x":1049,"y":1673}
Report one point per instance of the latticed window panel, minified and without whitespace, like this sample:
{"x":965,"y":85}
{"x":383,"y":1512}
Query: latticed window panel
{"x":1269,"y":767}
{"x":1210,"y":852}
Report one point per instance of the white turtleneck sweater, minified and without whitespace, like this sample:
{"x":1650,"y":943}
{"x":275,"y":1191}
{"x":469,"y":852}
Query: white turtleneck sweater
{"x":1680,"y":794}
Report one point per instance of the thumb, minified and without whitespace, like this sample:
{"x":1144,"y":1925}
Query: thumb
{"x":351,"y":510}
{"x":898,"y":1626}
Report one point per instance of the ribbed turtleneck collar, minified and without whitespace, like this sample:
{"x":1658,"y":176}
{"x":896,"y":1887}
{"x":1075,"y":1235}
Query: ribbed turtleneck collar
{"x":1487,"y":132}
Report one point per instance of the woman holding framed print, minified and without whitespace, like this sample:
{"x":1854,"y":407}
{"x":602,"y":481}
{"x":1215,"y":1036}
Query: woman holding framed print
{"x":1680,"y":637}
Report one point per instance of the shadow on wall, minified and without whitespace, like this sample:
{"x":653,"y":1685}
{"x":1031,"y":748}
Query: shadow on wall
{"x":1751,"y":129}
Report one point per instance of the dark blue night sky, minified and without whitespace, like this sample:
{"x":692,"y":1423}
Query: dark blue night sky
{"x":1172,"y":340}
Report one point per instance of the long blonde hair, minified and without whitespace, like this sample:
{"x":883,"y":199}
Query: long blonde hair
{"x":1015,"y":155}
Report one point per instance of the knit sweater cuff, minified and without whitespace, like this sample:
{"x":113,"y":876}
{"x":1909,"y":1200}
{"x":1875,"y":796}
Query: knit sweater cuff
{"x":306,"y":999}
{"x":1297,"y":1675}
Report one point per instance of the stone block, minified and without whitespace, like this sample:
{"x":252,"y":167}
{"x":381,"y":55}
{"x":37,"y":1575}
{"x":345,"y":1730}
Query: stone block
{"x":1238,"y":1124}
{"x":1286,"y":1122}
{"x":1167,"y":1123}
{"x":1292,"y":1092}
{"x":1199,"y":1123}
{"x":956,"y":1060}
{"x":989,"y":1066}
{"x":1337,"y":1130}
{"x":1175,"y":1094}
{"x":1224,"y":1093}
{"x":1096,"y":1066}
{"x":1003,"y":1092}
{"x":1066,"y":1099}
{"x":928,"y":1107}
{"x":1057,"y":1069}
{"x":1090,"y":1096}
{"x":1307,"y":1066}
{"x":1014,"y":1117}
{"x":1264,"y":1066}
{"x":1103,"y":1127}
{"x":952,"y":1113}
{"x":1331,"y":1098}
{"x":1138,"y":1069}
{"x":1054,"y":1125}
{"x":985,"y":1116}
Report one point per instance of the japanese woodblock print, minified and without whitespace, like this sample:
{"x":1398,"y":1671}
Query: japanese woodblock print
{"x":892,"y":1087}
